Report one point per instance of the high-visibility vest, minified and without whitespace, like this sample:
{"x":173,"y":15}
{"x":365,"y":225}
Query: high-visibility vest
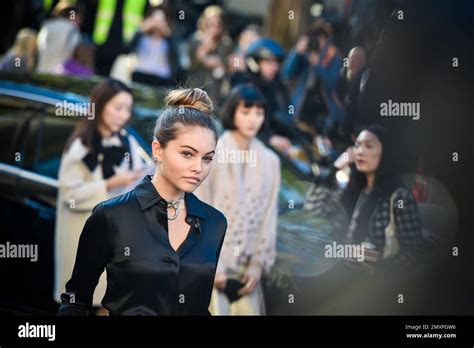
{"x":132,"y":17}
{"x":47,"y":4}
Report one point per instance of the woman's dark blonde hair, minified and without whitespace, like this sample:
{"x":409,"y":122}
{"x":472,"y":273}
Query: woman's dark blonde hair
{"x":210,"y":12}
{"x":189,"y":107}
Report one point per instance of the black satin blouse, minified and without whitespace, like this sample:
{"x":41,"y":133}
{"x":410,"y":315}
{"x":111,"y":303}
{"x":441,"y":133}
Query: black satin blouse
{"x":128,"y":236}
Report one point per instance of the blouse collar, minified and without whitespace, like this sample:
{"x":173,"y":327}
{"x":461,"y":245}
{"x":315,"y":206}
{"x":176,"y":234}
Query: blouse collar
{"x":147,"y":196}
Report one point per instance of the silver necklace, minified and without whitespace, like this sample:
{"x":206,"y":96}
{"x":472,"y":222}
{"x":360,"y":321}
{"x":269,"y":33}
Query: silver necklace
{"x":176,"y":205}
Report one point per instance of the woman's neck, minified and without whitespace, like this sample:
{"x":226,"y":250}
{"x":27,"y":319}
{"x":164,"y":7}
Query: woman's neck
{"x":164,"y":188}
{"x":157,"y":35}
{"x":370,"y":182}
{"x":243,"y":142}
{"x":104,"y":131}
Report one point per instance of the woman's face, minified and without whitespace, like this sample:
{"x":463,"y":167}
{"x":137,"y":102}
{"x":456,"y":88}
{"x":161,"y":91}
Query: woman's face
{"x":117,"y":112}
{"x":248,"y":120}
{"x":186,"y":161}
{"x":214,"y":26}
{"x":368,"y":152}
{"x":269,"y":68}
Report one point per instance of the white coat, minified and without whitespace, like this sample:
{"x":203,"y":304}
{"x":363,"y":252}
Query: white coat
{"x":79,"y":191}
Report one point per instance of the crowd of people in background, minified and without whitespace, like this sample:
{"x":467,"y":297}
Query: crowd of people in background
{"x":311,"y":89}
{"x":303,"y":100}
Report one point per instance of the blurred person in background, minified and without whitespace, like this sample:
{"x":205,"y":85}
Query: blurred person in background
{"x":315,"y":63}
{"x":208,"y":52}
{"x":246,"y":191}
{"x":349,"y":88}
{"x":374,"y":198}
{"x":22,"y":56}
{"x":82,"y":61}
{"x":158,"y":61}
{"x":378,"y":214}
{"x":236,"y":61}
{"x":115,"y":25}
{"x":100,"y":161}
{"x":58,"y":37}
{"x":263,"y":59}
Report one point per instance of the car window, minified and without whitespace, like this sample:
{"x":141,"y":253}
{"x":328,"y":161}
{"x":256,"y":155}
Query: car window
{"x":11,"y":123}
{"x":8,"y":126}
{"x":55,"y":133}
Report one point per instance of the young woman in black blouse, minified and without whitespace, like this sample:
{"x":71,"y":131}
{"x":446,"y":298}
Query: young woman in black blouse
{"x":158,"y":243}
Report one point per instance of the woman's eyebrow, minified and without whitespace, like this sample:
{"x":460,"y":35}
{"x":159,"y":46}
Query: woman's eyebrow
{"x":192,"y":148}
{"x":365,"y":141}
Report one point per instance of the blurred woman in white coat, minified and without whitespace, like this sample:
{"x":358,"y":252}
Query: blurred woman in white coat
{"x":100,"y":161}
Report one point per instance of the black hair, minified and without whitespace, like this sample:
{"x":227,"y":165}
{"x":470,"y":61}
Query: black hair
{"x":387,"y":178}
{"x":101,"y":94}
{"x":247,"y":93}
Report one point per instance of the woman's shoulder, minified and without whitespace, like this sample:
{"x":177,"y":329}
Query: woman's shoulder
{"x":76,"y":150}
{"x":210,"y":212}
{"x":118,"y":204}
{"x":401,"y":199}
{"x":402,"y":193}
{"x":131,"y":139}
{"x":267,"y":152}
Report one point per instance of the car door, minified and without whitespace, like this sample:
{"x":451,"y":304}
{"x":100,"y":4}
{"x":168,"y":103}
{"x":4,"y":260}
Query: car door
{"x":28,"y":173}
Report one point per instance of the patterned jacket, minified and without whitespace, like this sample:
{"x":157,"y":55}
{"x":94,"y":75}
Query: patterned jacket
{"x":325,"y":203}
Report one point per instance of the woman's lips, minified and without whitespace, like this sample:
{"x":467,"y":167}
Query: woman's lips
{"x":193,"y":180}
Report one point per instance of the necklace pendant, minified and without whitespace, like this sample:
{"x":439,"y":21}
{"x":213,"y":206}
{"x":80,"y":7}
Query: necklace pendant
{"x":174,"y":216}
{"x":175,"y":206}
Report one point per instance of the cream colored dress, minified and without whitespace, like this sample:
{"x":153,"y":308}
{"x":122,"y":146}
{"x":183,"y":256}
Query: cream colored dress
{"x":244,"y":187}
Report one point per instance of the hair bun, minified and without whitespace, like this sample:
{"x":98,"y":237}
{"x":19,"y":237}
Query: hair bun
{"x":192,"y":98}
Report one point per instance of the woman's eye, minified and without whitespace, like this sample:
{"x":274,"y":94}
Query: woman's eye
{"x":187,"y":154}
{"x":207,"y":159}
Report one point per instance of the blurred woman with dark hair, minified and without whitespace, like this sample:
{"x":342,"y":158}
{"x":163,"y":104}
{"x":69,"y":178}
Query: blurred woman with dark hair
{"x":100,"y":161}
{"x":244,"y":185}
{"x":378,"y":207}
{"x":378,"y":221}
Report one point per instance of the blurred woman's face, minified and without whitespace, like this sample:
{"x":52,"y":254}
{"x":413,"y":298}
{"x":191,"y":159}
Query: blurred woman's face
{"x":368,"y":152}
{"x":160,"y":22}
{"x":117,"y":112}
{"x":185,"y":162}
{"x":269,"y":68}
{"x":248,"y":120}
{"x":214,"y":26}
{"x":246,"y":38}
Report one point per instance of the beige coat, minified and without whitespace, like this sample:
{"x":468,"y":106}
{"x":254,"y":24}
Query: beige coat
{"x":247,"y":194}
{"x":79,"y":191}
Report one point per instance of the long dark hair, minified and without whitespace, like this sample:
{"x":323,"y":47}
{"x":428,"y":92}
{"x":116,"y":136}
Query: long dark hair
{"x":387,"y":177}
{"x":100,"y":96}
